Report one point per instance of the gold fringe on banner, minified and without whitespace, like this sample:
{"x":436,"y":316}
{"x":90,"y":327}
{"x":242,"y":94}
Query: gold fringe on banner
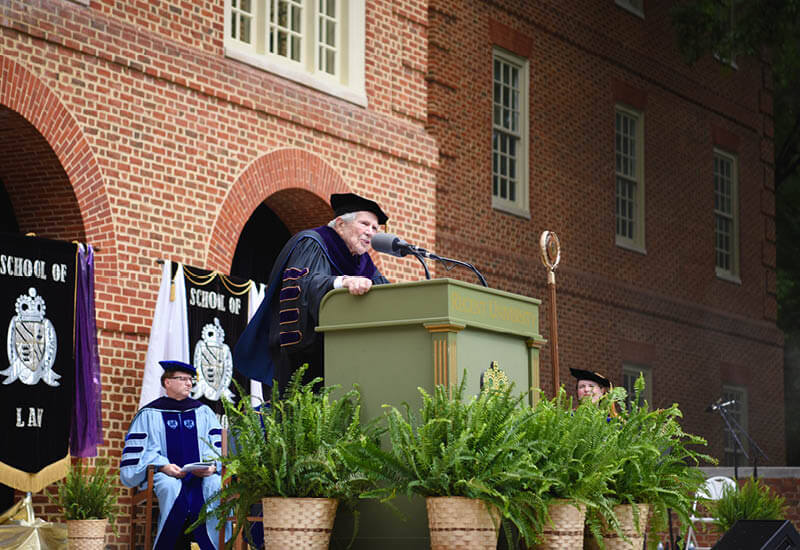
{"x":34,"y":482}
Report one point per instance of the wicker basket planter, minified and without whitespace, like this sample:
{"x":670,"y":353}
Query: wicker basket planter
{"x":298,"y":523}
{"x":566,"y":530}
{"x":458,"y":523}
{"x":86,"y":534}
{"x":613,"y":541}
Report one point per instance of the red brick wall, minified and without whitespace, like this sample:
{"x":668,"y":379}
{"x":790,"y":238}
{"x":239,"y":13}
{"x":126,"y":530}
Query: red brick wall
{"x":701,"y":331}
{"x":122,"y":124}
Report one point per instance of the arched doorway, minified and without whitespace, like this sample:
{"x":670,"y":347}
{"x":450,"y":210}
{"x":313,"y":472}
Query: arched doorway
{"x":261,"y":241}
{"x":294,"y":185}
{"x":36,"y":194}
{"x":282,"y":214}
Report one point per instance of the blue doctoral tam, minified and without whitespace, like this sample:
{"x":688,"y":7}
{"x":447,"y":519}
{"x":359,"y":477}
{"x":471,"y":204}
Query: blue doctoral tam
{"x":178,"y":365}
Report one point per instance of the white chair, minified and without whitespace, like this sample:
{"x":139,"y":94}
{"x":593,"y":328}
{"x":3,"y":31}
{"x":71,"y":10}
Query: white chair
{"x":711,"y":490}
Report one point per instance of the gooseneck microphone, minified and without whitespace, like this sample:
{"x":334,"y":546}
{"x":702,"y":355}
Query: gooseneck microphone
{"x":388,"y":243}
{"x":394,"y":245}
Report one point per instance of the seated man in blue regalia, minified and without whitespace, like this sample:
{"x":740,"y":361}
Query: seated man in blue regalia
{"x":171,"y":433}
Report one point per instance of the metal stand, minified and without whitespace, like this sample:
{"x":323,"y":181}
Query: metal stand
{"x":733,"y":426}
{"x":448,"y":263}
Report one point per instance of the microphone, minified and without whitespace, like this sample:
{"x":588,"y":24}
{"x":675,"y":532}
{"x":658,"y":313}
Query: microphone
{"x":717,"y":405}
{"x":394,"y":245}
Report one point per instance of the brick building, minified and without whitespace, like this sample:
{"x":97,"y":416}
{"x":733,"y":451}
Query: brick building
{"x":158,"y":130}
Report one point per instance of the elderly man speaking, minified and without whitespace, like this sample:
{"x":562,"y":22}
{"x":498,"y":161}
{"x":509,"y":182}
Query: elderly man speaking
{"x":280,"y":337}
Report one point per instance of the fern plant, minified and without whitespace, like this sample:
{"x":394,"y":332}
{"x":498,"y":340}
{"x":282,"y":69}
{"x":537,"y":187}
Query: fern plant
{"x":292,"y":449}
{"x":86,"y":495}
{"x":571,"y":455}
{"x":474,"y":448}
{"x":753,"y":500}
{"x":657,"y":461}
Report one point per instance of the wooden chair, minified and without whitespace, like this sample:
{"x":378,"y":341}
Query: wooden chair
{"x":146,"y":501}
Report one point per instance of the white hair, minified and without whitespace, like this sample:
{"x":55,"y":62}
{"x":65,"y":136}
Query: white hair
{"x":349,"y":217}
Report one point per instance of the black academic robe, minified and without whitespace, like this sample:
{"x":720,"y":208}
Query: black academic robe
{"x":280,"y":337}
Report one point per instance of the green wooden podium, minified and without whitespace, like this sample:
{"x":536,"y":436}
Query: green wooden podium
{"x":399,"y":337}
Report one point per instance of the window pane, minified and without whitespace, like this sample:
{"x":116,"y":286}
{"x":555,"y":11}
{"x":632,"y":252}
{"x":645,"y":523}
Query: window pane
{"x":296,"y":18}
{"x":626,"y":196}
{"x":330,"y":61}
{"x":244,"y":25}
{"x":296,"y":48}
{"x":283,"y":11}
{"x":507,"y":120}
{"x":625,"y":155}
{"x":330,"y":28}
{"x":724,"y":191}
{"x":241,"y":21}
{"x":282,"y":43}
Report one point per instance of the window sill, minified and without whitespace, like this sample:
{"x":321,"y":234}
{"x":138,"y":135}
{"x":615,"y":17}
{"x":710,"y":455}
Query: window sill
{"x":629,"y":245}
{"x":729,"y":277}
{"x":509,"y":209}
{"x":327,"y":86}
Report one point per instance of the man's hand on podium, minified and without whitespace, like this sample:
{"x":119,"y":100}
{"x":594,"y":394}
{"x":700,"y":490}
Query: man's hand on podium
{"x":357,"y":285}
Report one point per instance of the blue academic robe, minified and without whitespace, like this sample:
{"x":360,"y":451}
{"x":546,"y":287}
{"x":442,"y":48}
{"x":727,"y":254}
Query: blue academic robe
{"x":167,"y":431}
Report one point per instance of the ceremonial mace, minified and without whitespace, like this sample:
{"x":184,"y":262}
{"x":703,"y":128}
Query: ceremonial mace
{"x":551,"y":255}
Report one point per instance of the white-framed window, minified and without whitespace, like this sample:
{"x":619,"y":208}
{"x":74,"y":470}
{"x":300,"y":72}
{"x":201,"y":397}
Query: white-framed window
{"x":318,"y":43}
{"x":629,"y":163}
{"x":726,"y":216}
{"x":736,"y":410}
{"x":630,"y":373}
{"x":510,"y":133}
{"x":634,"y":6}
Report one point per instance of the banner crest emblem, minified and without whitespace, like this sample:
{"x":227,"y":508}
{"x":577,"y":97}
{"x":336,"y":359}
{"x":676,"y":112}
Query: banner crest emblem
{"x":31,"y":343}
{"x":214,"y":363}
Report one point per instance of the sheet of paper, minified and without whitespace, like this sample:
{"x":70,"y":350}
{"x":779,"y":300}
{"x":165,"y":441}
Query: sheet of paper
{"x":196,"y":466}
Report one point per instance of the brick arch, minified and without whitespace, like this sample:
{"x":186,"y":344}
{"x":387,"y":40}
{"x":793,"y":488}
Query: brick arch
{"x":73,"y":174}
{"x":293,"y":183}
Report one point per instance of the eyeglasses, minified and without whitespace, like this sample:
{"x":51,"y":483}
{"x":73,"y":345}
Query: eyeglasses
{"x":183,"y":379}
